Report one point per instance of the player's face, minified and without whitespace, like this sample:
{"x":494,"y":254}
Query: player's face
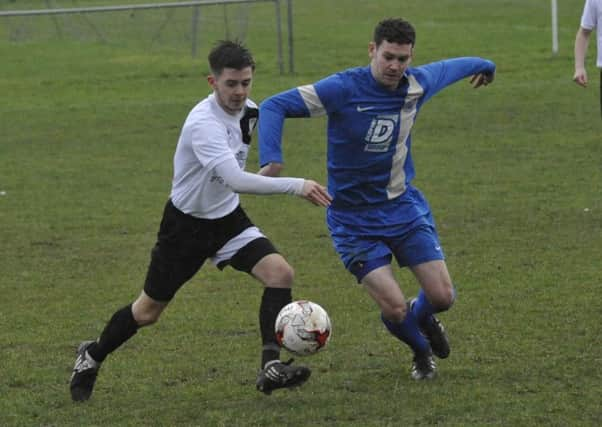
{"x":388,"y":62}
{"x":232,"y":88}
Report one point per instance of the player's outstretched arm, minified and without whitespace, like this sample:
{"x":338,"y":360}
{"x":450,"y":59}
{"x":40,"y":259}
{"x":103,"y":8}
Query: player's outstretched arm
{"x":229,"y":173}
{"x":312,"y":191}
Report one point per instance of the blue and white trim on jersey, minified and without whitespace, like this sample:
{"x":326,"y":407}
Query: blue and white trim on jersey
{"x":312,"y":101}
{"x":397,"y":183}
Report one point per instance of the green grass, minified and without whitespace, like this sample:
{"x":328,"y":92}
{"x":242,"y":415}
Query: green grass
{"x":513,"y":173}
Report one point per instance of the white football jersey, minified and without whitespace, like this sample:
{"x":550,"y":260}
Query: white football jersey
{"x":592,"y":20}
{"x":209,"y":136}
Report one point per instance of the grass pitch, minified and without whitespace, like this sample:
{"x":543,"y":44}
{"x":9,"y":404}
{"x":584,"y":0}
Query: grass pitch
{"x":513,"y":173}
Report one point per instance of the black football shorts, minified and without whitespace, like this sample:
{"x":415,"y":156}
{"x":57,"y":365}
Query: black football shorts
{"x":185,"y":242}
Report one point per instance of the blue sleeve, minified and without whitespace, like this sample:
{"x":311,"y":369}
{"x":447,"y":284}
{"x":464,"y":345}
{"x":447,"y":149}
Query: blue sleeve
{"x":272,"y":113}
{"x":323,"y":97}
{"x":438,"y":75}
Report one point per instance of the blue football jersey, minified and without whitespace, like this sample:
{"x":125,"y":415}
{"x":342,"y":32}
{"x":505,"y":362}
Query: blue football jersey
{"x":369,"y":158}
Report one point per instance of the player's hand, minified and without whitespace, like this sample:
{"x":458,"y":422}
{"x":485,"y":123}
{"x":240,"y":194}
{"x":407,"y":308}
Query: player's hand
{"x":271,"y":169}
{"x":316,"y":193}
{"x":481,"y":79}
{"x":580,"y":77}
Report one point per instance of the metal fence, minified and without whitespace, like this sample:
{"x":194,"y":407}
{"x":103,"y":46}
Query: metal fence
{"x":196,"y":12}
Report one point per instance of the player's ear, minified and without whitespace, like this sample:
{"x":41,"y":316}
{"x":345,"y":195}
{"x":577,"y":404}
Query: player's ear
{"x":371,"y":50}
{"x":212,"y":80}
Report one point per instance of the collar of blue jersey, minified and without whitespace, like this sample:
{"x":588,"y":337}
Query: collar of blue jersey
{"x":376,"y":84}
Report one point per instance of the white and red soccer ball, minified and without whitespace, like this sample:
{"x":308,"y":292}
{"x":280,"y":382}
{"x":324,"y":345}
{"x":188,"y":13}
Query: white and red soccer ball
{"x":303,"y":328}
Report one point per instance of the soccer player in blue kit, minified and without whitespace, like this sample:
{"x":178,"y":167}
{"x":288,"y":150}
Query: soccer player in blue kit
{"x":376,"y":214}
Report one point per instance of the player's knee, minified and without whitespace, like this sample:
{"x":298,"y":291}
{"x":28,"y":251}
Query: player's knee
{"x":147,"y":314}
{"x":395,"y":312}
{"x":147,"y":318}
{"x":444,"y":299}
{"x":451,"y":297}
{"x":280,"y":275}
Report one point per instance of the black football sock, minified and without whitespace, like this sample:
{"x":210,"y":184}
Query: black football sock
{"x":120,"y":328}
{"x":272,"y":301}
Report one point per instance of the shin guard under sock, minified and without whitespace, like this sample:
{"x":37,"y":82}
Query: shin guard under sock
{"x":272,"y":301}
{"x":120,"y":328}
{"x":424,"y":310}
{"x":408,"y":332}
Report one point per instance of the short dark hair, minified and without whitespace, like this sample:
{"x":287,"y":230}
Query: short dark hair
{"x":230,"y":54}
{"x":395,"y":30}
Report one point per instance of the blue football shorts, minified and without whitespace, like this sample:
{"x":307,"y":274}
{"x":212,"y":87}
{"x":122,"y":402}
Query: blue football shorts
{"x":361,"y":254}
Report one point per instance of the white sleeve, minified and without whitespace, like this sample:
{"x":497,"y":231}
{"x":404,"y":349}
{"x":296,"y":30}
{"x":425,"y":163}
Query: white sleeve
{"x":209,"y":141}
{"x":244,"y":182}
{"x":590,"y":15}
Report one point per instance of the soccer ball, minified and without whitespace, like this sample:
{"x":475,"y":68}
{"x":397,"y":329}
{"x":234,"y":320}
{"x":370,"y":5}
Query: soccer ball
{"x":303,"y":328}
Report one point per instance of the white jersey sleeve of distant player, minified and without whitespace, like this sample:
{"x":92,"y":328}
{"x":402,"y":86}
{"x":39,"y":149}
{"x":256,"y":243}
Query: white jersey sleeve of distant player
{"x":589,"y":18}
{"x":244,"y":182}
{"x":592,"y":20}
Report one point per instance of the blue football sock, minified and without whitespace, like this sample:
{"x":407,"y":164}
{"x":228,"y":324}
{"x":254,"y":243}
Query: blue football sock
{"x":423,"y":309}
{"x":408,"y":332}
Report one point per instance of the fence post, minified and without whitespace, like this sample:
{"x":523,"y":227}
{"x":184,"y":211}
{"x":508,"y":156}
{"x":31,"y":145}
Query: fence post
{"x":554,"y":27}
{"x":291,"y":55}
{"x":279,"y":32}
{"x":196,"y":12}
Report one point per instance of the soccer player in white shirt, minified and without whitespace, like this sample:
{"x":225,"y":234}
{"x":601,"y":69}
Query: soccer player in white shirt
{"x":203,"y":220}
{"x":590,"y":20}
